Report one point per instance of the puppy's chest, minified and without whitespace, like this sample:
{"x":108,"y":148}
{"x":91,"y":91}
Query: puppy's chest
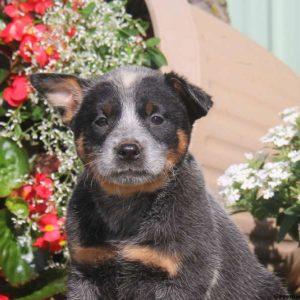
{"x":122,"y":267}
{"x":124,"y":247}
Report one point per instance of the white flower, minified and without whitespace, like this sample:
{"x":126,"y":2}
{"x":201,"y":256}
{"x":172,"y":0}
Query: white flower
{"x":267,"y":193}
{"x":231,"y":195}
{"x":234,"y":196}
{"x":280,"y":135}
{"x":249,"y":156}
{"x":250,"y":183}
{"x":225,"y":180}
{"x":278,"y":170}
{"x":262,"y":175}
{"x":294,"y":156}
{"x":290,"y":115}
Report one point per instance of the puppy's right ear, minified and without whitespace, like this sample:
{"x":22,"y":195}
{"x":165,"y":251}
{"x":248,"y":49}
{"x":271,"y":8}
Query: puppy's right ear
{"x":64,"y":92}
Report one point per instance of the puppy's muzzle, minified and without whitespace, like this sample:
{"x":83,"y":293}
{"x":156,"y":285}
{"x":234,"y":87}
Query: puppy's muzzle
{"x":129,"y":151}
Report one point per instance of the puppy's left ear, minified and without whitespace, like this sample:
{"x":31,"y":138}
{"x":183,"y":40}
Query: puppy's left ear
{"x":62,"y":91}
{"x":197,"y":102}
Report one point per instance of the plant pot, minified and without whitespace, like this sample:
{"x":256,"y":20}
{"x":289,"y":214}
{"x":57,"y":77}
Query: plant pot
{"x":282,"y":258}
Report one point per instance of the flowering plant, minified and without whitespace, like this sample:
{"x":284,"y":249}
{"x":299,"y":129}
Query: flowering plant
{"x":38,"y":161}
{"x":268,"y":184}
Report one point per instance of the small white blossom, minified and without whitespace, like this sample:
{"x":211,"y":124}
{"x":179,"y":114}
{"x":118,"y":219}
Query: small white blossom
{"x":280,"y":135}
{"x":267,"y":193}
{"x":290,"y":115}
{"x":250,"y":183}
{"x":294,"y":156}
{"x":249,"y":156}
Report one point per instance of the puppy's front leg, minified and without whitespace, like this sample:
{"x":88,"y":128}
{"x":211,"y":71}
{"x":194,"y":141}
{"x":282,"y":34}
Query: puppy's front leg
{"x":80,"y":288}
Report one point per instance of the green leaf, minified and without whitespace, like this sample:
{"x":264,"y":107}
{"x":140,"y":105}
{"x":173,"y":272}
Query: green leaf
{"x":152,"y":42}
{"x":13,"y":166}
{"x":18,"y":131}
{"x":17,"y":206}
{"x":2,"y":110}
{"x":144,"y":24}
{"x":37,"y":113}
{"x":140,"y":29}
{"x":16,"y":270}
{"x":3,"y":75}
{"x":286,"y":225}
{"x":157,"y":57}
{"x":128,"y":32}
{"x":86,"y":12}
{"x":52,"y":288}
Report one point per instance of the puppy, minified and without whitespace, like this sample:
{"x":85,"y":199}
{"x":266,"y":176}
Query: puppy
{"x":140,"y":222}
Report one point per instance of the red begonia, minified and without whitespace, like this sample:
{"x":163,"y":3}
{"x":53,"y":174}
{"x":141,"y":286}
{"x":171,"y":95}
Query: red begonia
{"x":17,"y":92}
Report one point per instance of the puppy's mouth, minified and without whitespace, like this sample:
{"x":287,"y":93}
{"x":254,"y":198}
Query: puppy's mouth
{"x":129,"y":172}
{"x":130,"y":176}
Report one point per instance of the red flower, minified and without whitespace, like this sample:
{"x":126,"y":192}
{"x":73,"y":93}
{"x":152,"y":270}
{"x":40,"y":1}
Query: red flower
{"x":77,"y":4}
{"x":3,"y":297}
{"x":37,"y":194}
{"x":36,"y":207}
{"x":58,"y":244}
{"x":43,"y":186}
{"x":17,"y":93}
{"x":40,"y":6}
{"x":26,"y":7}
{"x":71,"y":31}
{"x":50,"y":225}
{"x":27,"y":192}
{"x":16,"y":29}
{"x":11,"y":10}
{"x":40,"y":243}
{"x":31,"y":46}
{"x":26,"y":47}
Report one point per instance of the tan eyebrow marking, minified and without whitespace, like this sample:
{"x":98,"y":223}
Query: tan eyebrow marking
{"x":107,"y":109}
{"x":149,"y":108}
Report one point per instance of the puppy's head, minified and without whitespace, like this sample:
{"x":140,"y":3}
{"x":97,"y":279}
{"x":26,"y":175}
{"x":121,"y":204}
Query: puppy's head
{"x":131,"y":126}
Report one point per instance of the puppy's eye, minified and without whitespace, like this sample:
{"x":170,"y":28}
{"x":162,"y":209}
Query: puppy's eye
{"x":157,"y":119}
{"x":101,"y":121}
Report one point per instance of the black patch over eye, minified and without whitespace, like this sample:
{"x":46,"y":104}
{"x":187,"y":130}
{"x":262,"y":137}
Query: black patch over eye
{"x":157,"y":119}
{"x":101,"y":121}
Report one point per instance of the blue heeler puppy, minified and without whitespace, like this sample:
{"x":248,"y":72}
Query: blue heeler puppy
{"x":140,"y":222}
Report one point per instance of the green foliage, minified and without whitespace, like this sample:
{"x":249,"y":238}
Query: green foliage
{"x":48,"y":284}
{"x":18,"y":207}
{"x":87,"y":11}
{"x":13,"y":165}
{"x":268,"y":184}
{"x":12,"y":259}
{"x":103,"y":37}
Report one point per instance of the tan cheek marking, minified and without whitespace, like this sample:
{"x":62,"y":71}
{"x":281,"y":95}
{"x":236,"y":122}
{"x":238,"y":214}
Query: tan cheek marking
{"x":128,"y":190}
{"x":80,"y":146}
{"x":92,"y":255}
{"x":152,"y":257}
{"x":174,"y":155}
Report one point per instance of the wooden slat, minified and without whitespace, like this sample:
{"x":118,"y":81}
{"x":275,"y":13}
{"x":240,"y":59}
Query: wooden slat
{"x":249,"y":85}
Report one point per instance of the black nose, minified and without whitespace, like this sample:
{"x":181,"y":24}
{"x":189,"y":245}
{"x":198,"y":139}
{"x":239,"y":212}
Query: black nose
{"x":128,"y":151}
